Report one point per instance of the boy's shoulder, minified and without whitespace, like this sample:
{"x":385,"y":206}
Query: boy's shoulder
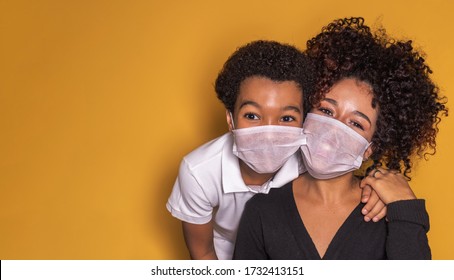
{"x":209,"y":151}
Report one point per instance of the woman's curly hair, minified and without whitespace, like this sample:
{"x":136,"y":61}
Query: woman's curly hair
{"x":409,"y":105}
{"x":269,"y":59}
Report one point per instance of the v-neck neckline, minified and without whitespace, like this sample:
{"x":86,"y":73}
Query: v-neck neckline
{"x":298,"y":227}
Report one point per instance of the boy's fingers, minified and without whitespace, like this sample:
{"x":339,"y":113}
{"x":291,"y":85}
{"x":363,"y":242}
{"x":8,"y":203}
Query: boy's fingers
{"x":375,"y":211}
{"x":373,"y":199}
{"x":380,"y":215}
{"x":367,"y":190}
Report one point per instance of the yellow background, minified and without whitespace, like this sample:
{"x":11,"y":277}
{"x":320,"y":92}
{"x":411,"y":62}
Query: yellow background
{"x":100,"y":100}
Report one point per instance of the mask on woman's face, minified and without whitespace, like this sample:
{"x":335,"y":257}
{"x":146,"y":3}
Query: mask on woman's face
{"x":266,"y":148}
{"x":332,"y":148}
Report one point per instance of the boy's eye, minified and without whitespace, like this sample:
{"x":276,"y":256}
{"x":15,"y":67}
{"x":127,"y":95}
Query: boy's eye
{"x":288,"y":119}
{"x":251,"y":116}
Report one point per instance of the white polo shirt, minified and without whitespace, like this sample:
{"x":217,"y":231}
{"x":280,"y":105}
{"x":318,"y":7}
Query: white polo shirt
{"x":210,"y":186}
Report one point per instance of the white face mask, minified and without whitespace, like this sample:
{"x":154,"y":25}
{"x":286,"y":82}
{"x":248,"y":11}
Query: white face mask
{"x":332,"y":149}
{"x":266,"y":148}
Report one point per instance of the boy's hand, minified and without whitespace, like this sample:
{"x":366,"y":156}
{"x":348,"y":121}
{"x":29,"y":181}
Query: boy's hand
{"x":374,"y":209}
{"x":390,"y":185}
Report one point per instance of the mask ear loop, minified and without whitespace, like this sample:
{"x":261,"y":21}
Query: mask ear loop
{"x":231,"y":118}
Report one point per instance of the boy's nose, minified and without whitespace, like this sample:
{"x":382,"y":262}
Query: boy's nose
{"x":271,"y":121}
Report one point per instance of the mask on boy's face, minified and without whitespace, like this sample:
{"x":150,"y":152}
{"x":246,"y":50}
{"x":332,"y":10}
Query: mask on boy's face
{"x":266,"y":148}
{"x":332,"y":148}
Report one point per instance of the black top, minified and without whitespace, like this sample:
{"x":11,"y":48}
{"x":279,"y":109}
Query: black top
{"x":271,"y":228}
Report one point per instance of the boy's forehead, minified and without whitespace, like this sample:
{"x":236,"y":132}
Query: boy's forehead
{"x":266,"y":93}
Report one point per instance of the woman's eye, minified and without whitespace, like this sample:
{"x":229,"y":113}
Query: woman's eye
{"x":325,"y":111}
{"x":251,"y":116}
{"x":355,"y":124}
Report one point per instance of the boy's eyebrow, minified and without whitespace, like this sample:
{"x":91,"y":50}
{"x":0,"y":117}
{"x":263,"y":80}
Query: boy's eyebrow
{"x":293,"y":108}
{"x":358,"y":113}
{"x":255,"y":104}
{"x":249,"y":102}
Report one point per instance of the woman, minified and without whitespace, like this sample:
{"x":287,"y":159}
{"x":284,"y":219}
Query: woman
{"x":374,"y":103}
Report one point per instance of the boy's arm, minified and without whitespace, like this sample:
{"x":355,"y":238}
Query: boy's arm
{"x":189,"y":203}
{"x":199,"y":240}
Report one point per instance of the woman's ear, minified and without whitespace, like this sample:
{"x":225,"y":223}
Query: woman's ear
{"x":229,"y":117}
{"x":369,"y":151}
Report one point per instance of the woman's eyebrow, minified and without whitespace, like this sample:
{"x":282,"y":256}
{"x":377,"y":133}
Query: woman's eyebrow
{"x":362,"y":115}
{"x":358,"y":113}
{"x":332,"y":101}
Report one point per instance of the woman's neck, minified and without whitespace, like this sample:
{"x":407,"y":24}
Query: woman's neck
{"x":336,"y":190}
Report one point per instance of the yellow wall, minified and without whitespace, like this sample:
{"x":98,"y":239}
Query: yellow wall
{"x":100,"y":100}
